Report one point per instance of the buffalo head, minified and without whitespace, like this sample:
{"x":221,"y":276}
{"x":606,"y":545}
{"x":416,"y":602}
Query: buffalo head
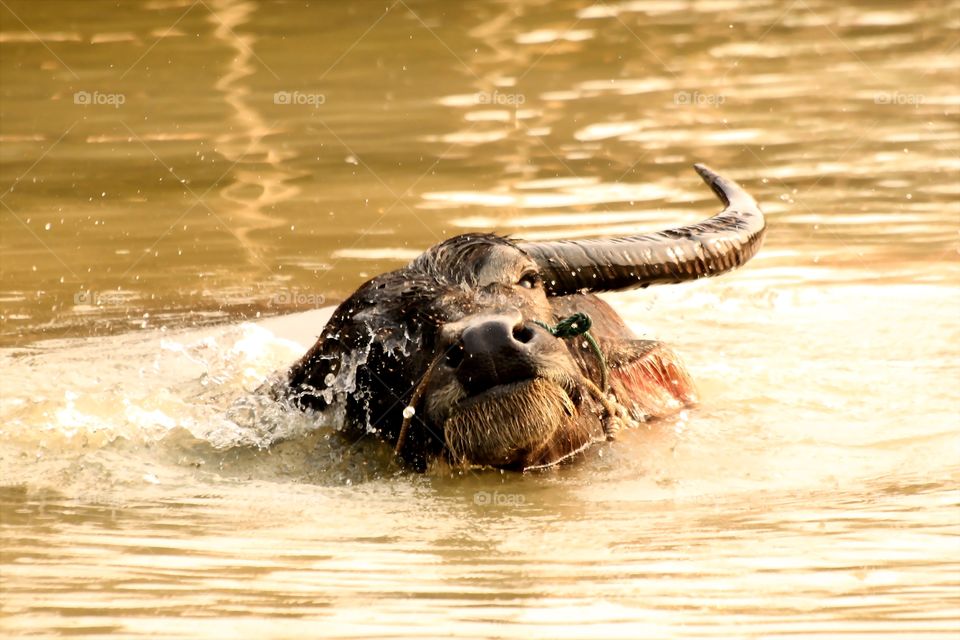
{"x":458,"y":355}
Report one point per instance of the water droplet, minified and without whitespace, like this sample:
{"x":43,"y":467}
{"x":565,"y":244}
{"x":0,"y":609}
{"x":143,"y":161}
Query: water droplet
{"x":328,"y":379}
{"x":408,"y":412}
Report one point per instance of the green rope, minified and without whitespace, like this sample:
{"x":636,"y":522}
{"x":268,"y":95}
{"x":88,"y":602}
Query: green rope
{"x":575,"y":325}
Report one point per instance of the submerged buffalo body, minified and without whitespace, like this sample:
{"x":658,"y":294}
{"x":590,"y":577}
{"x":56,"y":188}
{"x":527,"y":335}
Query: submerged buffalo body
{"x":478,"y":352}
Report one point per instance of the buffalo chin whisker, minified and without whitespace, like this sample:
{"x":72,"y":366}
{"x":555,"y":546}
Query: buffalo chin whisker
{"x":520,"y":423}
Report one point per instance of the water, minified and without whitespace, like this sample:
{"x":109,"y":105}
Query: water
{"x":171,"y":244}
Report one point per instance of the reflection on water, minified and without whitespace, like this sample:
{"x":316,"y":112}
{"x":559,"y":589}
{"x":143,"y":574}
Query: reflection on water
{"x":169,"y":165}
{"x":256,"y":165}
{"x":395,"y":128}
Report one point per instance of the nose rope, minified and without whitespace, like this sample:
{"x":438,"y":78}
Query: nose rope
{"x":410,"y":410}
{"x":578,"y":324}
{"x":575,"y":325}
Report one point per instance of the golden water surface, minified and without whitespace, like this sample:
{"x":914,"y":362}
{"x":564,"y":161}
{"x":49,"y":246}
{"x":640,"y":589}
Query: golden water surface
{"x":186,"y":184}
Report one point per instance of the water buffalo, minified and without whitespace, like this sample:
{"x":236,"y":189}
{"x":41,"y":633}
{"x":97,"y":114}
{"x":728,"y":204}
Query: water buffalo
{"x":491,"y":351}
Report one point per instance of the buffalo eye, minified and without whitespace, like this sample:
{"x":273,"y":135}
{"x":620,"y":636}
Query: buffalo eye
{"x":529,"y":280}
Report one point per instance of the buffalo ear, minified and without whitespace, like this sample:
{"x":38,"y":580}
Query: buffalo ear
{"x":647,"y":378}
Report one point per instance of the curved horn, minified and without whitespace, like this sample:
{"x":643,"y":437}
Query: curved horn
{"x":717,"y":245}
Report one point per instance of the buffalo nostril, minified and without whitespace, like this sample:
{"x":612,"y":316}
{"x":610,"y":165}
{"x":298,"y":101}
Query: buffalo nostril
{"x":522,"y":333}
{"x":494,"y":350}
